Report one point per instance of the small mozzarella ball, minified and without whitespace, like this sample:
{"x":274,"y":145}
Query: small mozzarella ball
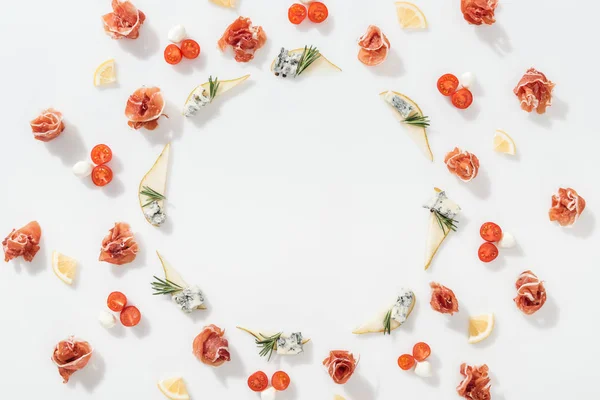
{"x":467,"y":79}
{"x":82,"y":169}
{"x":507,"y":241}
{"x":107,"y":320}
{"x":306,"y":1}
{"x":177,"y":33}
{"x":268,"y":394}
{"x":423,"y":369}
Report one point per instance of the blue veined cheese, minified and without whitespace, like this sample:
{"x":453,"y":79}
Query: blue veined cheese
{"x":189,"y":298}
{"x":403,"y":305}
{"x":443,"y":205}
{"x":286,"y":63}
{"x":154,"y":213}
{"x":198,"y":100}
{"x":401,"y":105}
{"x":290,"y":344}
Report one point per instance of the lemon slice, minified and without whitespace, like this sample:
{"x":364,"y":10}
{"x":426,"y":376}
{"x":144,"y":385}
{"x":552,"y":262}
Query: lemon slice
{"x":504,"y":143}
{"x":224,"y":3}
{"x":480,"y":327}
{"x":174,"y":388}
{"x":338,"y":397}
{"x":105,"y":73}
{"x":64,"y":267}
{"x":410,"y":16}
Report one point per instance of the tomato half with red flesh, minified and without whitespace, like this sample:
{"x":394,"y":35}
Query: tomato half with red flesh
{"x":447,"y":84}
{"x":406,"y":362}
{"x":172,"y":54}
{"x":130,"y":316}
{"x":102,"y":175}
{"x":297,"y":13}
{"x":490,"y":232}
{"x":190,"y":49}
{"x":462,"y":98}
{"x":101,"y":154}
{"x":488,"y":252}
{"x":258,"y":381}
{"x":116,"y":301}
{"x":421,"y":351}
{"x":280,"y":380}
{"x":317,"y":12}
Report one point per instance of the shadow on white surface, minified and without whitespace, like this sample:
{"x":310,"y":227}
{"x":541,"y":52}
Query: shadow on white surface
{"x":37,"y":265}
{"x":545,"y":317}
{"x":91,"y":376}
{"x":188,"y":67}
{"x":494,"y":36}
{"x":557,"y":111}
{"x":360,"y":388}
{"x":584,"y":226}
{"x":391,"y":67}
{"x":118,"y":330}
{"x":471,"y":113}
{"x":496,"y":390}
{"x":481,"y":185}
{"x":262,"y":56}
{"x":306,"y":357}
{"x":434,"y":380}
{"x":145,"y":45}
{"x":324,"y":28}
{"x":233,"y":369}
{"x":458,"y":322}
{"x":142,"y":329}
{"x":170,"y":126}
{"x":69,"y":146}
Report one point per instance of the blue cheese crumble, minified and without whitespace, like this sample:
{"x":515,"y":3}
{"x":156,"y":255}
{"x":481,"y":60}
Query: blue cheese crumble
{"x":443,"y":205}
{"x":154,"y":213}
{"x":290,"y":345}
{"x":403,"y":305}
{"x":286,"y":63}
{"x":402,"y":106}
{"x":197,"y":100}
{"x":189,"y":299}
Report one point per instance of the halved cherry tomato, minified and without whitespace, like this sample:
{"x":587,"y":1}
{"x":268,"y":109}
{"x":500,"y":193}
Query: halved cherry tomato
{"x":490,"y":232}
{"x":421,"y":351}
{"x":101,"y":154}
{"x":116,"y":301}
{"x":447,"y":84}
{"x":258,"y":381}
{"x":102,"y":175}
{"x":488,"y":252}
{"x":462,"y":98}
{"x":317,"y":12}
{"x":190,"y":49}
{"x":172,"y":54}
{"x":297,"y":13}
{"x":406,"y":362}
{"x":280,"y":380}
{"x":130,"y":316}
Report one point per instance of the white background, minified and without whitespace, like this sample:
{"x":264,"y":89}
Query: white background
{"x":296,"y":205}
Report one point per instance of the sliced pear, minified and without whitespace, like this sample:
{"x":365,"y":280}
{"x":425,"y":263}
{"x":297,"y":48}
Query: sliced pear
{"x":435,"y":237}
{"x":174,"y":276}
{"x":156,"y":179}
{"x":224,"y":86}
{"x":416,"y":133}
{"x":262,"y":334}
{"x":321,"y":63}
{"x":375,"y":325}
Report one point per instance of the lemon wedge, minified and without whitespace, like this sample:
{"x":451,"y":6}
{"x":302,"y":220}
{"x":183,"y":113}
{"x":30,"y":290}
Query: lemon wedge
{"x":174,"y":388}
{"x":64,"y":267}
{"x":410,"y":16}
{"x":480,"y":327}
{"x":224,"y":3}
{"x":338,"y":397}
{"x":504,"y":143}
{"x":105,"y":73}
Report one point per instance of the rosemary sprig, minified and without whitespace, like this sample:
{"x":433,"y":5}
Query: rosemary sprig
{"x":268,"y":344}
{"x":417,"y":120}
{"x":387,"y":323}
{"x":214,"y":86}
{"x":165,"y":286}
{"x":309,"y":56}
{"x":151,"y":194}
{"x":446,"y":223}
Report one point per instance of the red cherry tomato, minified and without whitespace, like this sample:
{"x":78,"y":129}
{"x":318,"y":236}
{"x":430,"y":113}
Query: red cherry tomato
{"x":317,"y":12}
{"x":280,"y":380}
{"x":490,"y":232}
{"x":447,"y":84}
{"x":116,"y":301}
{"x":102,"y":175}
{"x":421,"y":351}
{"x":406,"y":362}
{"x":297,"y":13}
{"x":101,"y":154}
{"x":130,"y":316}
{"x":462,"y":98}
{"x":172,"y":54}
{"x":190,"y":49}
{"x":488,"y":252}
{"x":258,"y":381}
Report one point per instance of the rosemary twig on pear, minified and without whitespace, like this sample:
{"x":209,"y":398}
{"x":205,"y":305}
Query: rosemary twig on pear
{"x":417,"y":120}
{"x":268,"y":344}
{"x":309,"y":56}
{"x":447,"y":224}
{"x":214,"y":86}
{"x":164,"y":286}
{"x":151,"y":194}
{"x":387,"y":323}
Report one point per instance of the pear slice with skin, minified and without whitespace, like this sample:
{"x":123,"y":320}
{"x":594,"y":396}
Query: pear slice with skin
{"x":224,"y":86}
{"x":156,"y":179}
{"x":321,"y":63}
{"x":435,"y":237}
{"x":416,"y":133}
{"x":262,"y":334}
{"x":172,"y":275}
{"x":375,"y":325}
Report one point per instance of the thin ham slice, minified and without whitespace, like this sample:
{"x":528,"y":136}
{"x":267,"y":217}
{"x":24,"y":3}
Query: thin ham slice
{"x":443,"y":299}
{"x":23,"y":242}
{"x":476,"y":382}
{"x":531,"y":293}
{"x":479,"y":12}
{"x":463,"y":164}
{"x":119,"y":246}
{"x":243,"y":38}
{"x":48,"y":125}
{"x":144,"y":108}
{"x":70,"y":356}
{"x":374,"y":46}
{"x":567,"y":206}
{"x":124,"y":21}
{"x":340,"y":365}
{"x":534,"y":91}
{"x":211,"y":347}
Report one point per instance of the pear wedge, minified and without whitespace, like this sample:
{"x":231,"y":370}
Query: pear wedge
{"x":416,"y":133}
{"x":321,"y":63}
{"x":435,"y":236}
{"x":224,"y":86}
{"x":262,"y":334}
{"x":172,"y":275}
{"x":375,"y":325}
{"x":156,"y":179}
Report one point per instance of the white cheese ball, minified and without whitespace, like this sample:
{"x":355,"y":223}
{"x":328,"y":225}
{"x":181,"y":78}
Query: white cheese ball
{"x":268,"y":394}
{"x":507,"y":241}
{"x":107,"y":320}
{"x":306,"y":1}
{"x":423,"y":369}
{"x":177,"y":33}
{"x":82,"y":169}
{"x":467,"y":79}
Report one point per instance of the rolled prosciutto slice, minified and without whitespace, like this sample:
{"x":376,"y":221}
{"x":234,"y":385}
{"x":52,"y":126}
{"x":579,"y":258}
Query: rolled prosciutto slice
{"x":124,"y":21}
{"x":534,"y":91}
{"x":211,"y":347}
{"x":463,"y":164}
{"x":23,"y":242}
{"x":48,"y":125}
{"x":476,"y":382}
{"x":443,"y":299}
{"x":119,"y":246}
{"x":374,"y":46}
{"x":567,"y":206}
{"x":531,"y":293}
{"x":244,"y":38}
{"x":479,"y":12}
{"x":144,"y":108}
{"x":70,"y":356}
{"x":340,"y":365}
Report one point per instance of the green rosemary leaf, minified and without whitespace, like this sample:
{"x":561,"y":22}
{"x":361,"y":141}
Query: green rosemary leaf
{"x":164,"y":286}
{"x":214,"y":87}
{"x":151,"y":194}
{"x":417,"y":120}
{"x":309,"y":56}
{"x":447,"y":224}
{"x":387,"y":323}
{"x":268,"y":344}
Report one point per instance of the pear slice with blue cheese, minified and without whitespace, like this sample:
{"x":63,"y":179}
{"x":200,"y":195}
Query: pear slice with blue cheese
{"x":288,"y":63}
{"x":204,"y":94}
{"x":392,"y":316}
{"x":175,"y":281}
{"x":152,"y":189}
{"x":271,"y":341}
{"x":442,"y":221}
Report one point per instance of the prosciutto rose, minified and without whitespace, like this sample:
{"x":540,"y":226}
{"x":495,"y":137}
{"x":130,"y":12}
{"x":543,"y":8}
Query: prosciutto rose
{"x":531,"y":293}
{"x":534,"y":91}
{"x":374,"y":46}
{"x":48,"y":125}
{"x":23,"y":242}
{"x":144,"y":107}
{"x":244,"y":38}
{"x":567,"y":206}
{"x":462,"y":164}
{"x":479,"y":12}
{"x":119,"y":246}
{"x":70,"y":356}
{"x":341,"y":365}
{"x":124,"y":22}
{"x":211,"y":347}
{"x":476,"y":382}
{"x":443,"y":299}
